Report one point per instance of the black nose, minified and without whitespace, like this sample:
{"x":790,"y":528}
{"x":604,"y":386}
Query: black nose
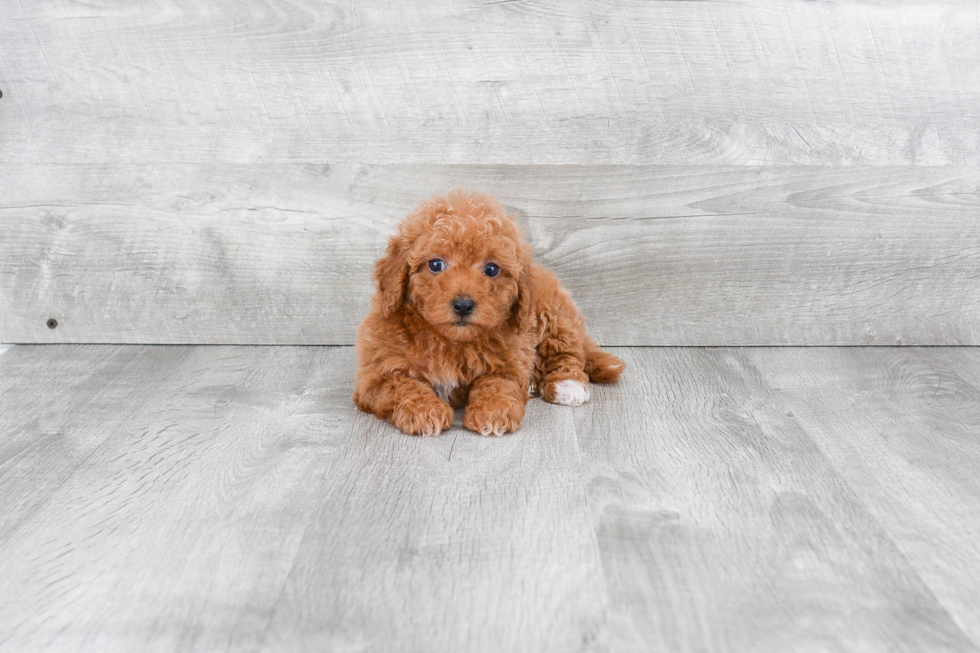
{"x":463,"y":306}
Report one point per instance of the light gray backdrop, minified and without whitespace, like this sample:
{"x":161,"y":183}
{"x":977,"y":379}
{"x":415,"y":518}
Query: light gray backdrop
{"x":712,"y":173}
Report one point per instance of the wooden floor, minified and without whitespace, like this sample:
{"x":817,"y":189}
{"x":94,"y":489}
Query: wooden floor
{"x":231,"y":498}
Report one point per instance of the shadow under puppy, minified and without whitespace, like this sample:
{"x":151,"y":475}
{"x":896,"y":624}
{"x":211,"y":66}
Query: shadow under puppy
{"x":463,"y":317}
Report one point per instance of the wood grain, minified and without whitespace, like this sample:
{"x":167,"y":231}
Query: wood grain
{"x":903,"y":426}
{"x":462,"y":543}
{"x":653,"y":255}
{"x":158,"y":497}
{"x":41,"y":446}
{"x":723,"y":527}
{"x":531,"y":82}
{"x":227,"y":498}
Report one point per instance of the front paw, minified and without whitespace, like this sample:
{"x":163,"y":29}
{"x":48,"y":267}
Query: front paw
{"x":427,"y":417}
{"x":494,"y":417}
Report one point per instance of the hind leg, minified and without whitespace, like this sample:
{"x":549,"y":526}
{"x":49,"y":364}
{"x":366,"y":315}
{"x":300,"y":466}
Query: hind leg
{"x":560,"y":366}
{"x":567,"y":358}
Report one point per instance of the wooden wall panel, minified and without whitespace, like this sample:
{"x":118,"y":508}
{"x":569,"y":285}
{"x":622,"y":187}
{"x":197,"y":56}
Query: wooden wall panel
{"x":179,"y":172}
{"x":454,"y":81}
{"x":654,"y":255}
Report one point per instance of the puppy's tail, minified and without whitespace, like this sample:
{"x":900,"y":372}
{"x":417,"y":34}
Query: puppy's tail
{"x":600,"y":366}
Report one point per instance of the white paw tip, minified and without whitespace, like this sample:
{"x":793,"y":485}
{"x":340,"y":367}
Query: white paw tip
{"x":571,"y":393}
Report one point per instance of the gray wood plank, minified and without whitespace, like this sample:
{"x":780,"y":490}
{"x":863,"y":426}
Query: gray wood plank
{"x":903,"y":428}
{"x":630,"y":82}
{"x":224,"y":498}
{"x":723,"y":527}
{"x":189,"y":495}
{"x":42,"y":445}
{"x":654,"y":255}
{"x":462,"y":543}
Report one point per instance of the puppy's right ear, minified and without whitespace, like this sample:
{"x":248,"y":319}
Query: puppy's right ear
{"x":391,"y":275}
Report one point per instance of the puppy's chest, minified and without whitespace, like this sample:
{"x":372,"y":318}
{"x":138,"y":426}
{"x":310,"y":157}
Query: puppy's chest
{"x":455,"y":371}
{"x":446,"y":378}
{"x":444,"y":390}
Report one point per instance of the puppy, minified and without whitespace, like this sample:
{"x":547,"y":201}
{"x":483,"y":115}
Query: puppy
{"x":463,"y":317}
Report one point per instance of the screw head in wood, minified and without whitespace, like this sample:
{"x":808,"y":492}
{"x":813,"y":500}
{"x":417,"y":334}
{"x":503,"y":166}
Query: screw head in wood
{"x":52,"y":323}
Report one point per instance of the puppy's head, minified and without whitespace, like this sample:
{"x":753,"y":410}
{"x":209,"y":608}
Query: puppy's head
{"x":460,"y":264}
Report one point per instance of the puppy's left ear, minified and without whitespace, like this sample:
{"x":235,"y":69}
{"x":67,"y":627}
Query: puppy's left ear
{"x":522,"y":311}
{"x":391,"y":275}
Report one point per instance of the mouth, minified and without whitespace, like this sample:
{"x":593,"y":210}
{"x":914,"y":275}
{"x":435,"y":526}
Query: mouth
{"x":461,"y":323}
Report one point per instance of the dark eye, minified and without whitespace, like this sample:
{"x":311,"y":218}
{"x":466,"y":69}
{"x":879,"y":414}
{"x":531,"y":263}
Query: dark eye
{"x":437,"y":265}
{"x":491,"y":269}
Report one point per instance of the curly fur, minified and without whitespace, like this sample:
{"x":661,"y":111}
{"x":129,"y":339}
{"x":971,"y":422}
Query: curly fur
{"x":417,"y":359}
